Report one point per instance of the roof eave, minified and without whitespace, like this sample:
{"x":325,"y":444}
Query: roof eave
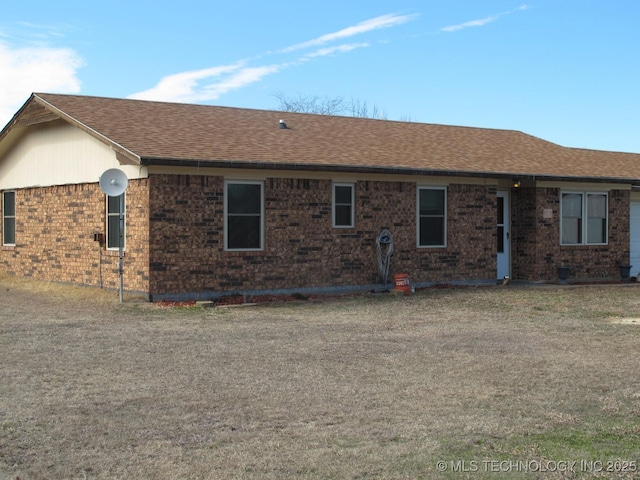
{"x":254,"y":165}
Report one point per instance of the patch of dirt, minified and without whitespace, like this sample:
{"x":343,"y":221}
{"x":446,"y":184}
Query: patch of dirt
{"x":627,"y":321}
{"x":235,"y":300}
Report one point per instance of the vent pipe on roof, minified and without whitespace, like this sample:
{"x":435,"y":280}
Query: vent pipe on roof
{"x":282,"y":124}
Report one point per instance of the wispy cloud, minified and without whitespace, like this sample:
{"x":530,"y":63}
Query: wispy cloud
{"x":482,"y":21}
{"x":206,"y":84}
{"x":33,"y":69}
{"x":36,"y":66}
{"x":323,"y":52}
{"x":243,"y":77}
{"x":383,"y":21}
{"x":181,"y":86}
{"x":211,"y":83}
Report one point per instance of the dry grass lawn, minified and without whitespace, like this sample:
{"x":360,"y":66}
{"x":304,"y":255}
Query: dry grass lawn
{"x":359,"y":387}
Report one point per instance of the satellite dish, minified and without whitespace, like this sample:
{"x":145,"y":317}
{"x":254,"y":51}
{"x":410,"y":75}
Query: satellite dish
{"x":114,"y":182}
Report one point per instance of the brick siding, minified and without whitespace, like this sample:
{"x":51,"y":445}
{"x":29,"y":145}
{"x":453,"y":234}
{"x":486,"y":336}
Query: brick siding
{"x":55,"y":242}
{"x":175,"y":237}
{"x":301,"y":247}
{"x":536,"y":240}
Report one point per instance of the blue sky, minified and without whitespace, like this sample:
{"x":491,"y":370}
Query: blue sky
{"x":567,"y":71}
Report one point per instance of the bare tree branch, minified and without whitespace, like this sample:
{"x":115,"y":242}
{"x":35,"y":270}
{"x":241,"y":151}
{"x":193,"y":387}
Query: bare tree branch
{"x":328,"y":106}
{"x":332,"y":106}
{"x":311,"y":104}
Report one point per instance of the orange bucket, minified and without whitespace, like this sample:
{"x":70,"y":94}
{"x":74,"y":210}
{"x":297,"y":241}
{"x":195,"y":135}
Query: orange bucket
{"x":401,"y":281}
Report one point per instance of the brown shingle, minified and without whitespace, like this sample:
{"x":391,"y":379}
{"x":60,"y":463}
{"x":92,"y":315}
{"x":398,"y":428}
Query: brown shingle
{"x":157,"y":132}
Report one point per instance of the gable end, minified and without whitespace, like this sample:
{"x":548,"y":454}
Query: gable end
{"x":34,"y":114}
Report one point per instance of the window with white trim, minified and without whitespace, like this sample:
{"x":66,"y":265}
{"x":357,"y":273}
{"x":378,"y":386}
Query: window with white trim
{"x":432,"y":216}
{"x":9,"y":218}
{"x":115,"y":205}
{"x":343,"y":205}
{"x":575,"y":207}
{"x":244,"y":215}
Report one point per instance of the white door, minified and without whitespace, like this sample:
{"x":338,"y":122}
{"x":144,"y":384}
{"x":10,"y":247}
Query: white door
{"x":634,"y":219}
{"x":504,"y":264}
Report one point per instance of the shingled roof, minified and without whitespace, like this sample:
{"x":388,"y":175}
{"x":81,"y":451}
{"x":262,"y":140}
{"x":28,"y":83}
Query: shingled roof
{"x":158,"y":133}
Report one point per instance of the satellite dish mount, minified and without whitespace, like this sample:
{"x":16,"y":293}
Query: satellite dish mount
{"x":113,"y":183}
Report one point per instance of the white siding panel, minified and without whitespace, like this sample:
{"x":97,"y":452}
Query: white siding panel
{"x":57,"y":153}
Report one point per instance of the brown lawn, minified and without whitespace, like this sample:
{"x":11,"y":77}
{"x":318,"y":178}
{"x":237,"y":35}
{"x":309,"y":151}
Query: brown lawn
{"x":504,"y":382}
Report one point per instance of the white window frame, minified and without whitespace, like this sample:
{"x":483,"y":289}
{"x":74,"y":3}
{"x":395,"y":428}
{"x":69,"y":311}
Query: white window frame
{"x":226,"y":214}
{"x":124,"y":223}
{"x":335,"y":204}
{"x":444,"y":216}
{"x":6,"y":217}
{"x":584,"y":232}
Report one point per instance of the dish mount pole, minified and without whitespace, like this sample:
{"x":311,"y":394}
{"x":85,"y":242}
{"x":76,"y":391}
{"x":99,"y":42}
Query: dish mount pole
{"x":121,"y":248}
{"x":113,"y":183}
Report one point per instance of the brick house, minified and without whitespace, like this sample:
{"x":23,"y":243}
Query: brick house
{"x":225,"y":200}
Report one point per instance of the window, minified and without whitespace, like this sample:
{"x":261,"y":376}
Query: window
{"x":432,"y":207}
{"x":244,"y":212}
{"x":577,"y":206}
{"x":9,"y":218}
{"x":596,"y":218}
{"x":343,"y":203}
{"x":115,"y":205}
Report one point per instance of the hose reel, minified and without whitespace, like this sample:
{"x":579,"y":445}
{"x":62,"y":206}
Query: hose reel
{"x":384,"y":247}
